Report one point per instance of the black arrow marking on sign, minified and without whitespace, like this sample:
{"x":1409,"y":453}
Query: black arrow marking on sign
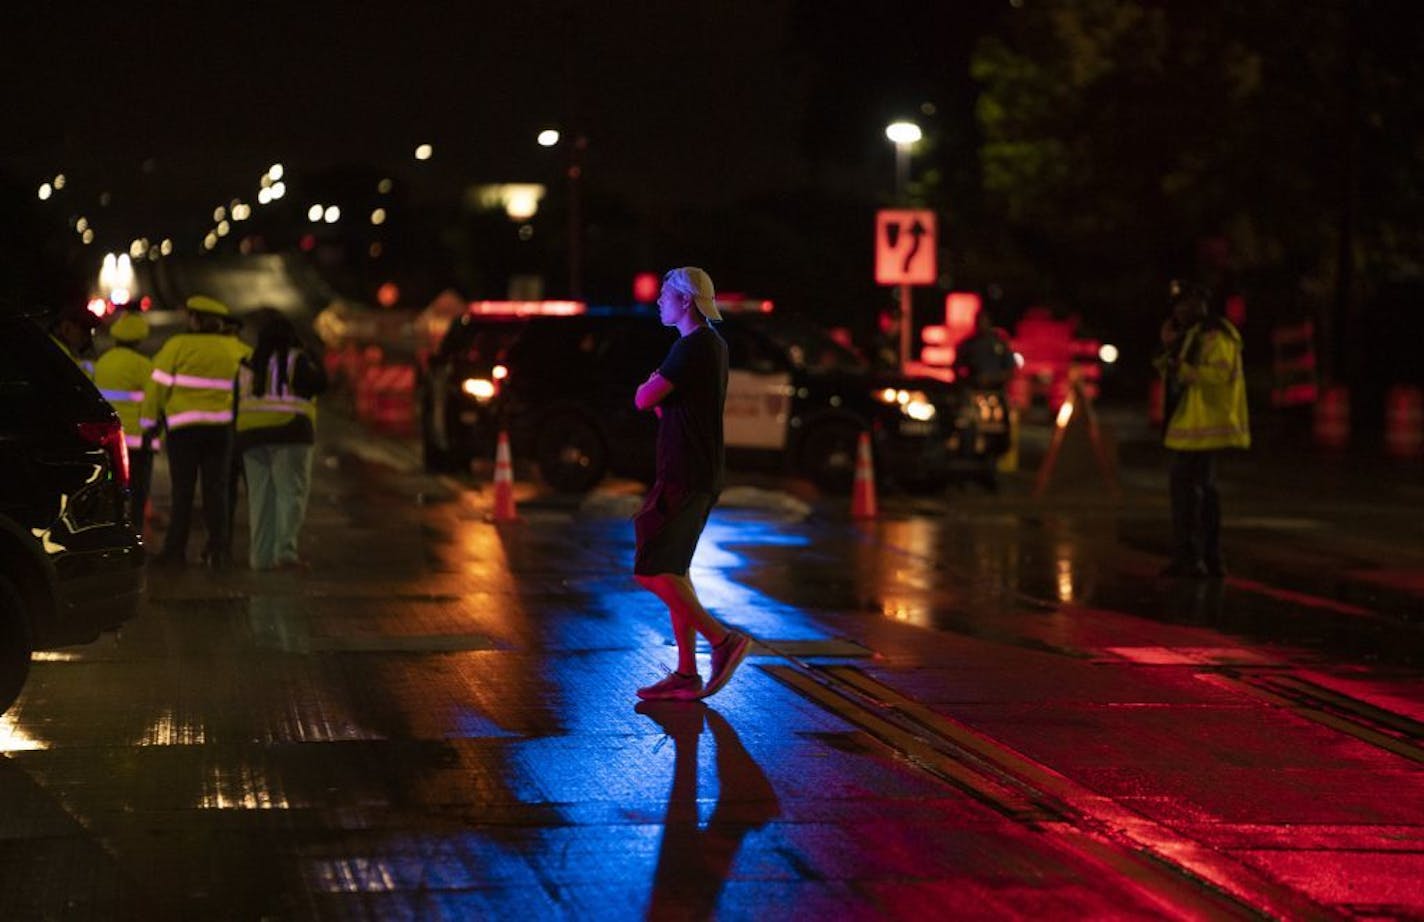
{"x":892,"y":233}
{"x":917,"y":230}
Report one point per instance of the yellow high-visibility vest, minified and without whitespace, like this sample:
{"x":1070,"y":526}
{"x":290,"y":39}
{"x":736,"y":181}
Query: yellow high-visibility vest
{"x":1212,"y":412}
{"x":278,"y":405}
{"x":124,"y":376}
{"x":193,"y":376}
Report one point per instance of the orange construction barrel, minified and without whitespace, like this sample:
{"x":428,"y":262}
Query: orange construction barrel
{"x":1404,"y":422}
{"x":1332,"y":418}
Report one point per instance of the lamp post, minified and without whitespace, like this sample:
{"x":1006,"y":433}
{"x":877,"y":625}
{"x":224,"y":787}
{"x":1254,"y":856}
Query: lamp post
{"x":904,"y":135}
{"x":550,"y":137}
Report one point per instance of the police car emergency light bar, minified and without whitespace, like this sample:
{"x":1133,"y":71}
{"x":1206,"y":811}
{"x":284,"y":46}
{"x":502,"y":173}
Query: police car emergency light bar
{"x":526,"y":308}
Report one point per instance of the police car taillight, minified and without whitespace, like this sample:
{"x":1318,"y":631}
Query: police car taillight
{"x":109,"y":435}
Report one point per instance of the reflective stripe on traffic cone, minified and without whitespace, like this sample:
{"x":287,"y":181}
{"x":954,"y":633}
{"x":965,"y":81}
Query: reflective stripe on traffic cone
{"x":862,"y":503}
{"x":503,"y":482}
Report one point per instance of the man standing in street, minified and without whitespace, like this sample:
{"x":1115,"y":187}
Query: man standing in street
{"x":984,"y":359}
{"x":73,"y":328}
{"x":124,"y":376}
{"x":687,"y":392}
{"x":193,"y":376}
{"x":1205,"y":413}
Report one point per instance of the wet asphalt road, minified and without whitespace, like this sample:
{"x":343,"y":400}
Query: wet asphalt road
{"x":975,"y":706}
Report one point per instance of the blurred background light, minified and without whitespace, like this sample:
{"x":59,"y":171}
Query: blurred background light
{"x":424,"y":152}
{"x":903,"y":132}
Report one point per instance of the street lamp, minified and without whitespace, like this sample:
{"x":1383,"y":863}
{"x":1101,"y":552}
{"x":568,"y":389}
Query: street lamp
{"x":904,"y":135}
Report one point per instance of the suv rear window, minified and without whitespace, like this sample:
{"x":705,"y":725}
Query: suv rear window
{"x":806,"y":345}
{"x":481,"y":341}
{"x":30,"y":366}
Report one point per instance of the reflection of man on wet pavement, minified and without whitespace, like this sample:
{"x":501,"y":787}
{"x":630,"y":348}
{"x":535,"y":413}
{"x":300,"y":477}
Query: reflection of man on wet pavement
{"x":688,"y":393}
{"x":693,"y":861}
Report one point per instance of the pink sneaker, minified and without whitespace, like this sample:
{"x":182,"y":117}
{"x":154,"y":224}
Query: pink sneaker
{"x":675,"y":686}
{"x":726,"y":657}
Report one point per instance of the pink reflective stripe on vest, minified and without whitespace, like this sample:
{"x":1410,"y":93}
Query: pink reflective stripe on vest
{"x":130,"y":396}
{"x":216,"y":384}
{"x":199,"y":417}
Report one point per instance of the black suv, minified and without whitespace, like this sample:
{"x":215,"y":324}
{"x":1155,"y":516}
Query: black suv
{"x":71,"y":565}
{"x":562,"y":386}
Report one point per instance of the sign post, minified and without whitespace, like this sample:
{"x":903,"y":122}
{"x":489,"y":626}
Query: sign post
{"x":905,"y":244}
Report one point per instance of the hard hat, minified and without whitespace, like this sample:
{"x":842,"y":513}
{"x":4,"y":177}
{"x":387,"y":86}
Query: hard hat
{"x":202,"y":304}
{"x":129,"y":328}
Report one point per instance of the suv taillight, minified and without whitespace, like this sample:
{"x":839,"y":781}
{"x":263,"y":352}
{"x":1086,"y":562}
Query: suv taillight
{"x":109,"y":435}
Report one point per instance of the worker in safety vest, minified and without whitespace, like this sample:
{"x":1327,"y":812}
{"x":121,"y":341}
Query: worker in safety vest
{"x":125,"y":376}
{"x":1206,"y":413}
{"x":73,"y":329}
{"x":193,"y":376}
{"x":276,"y":430}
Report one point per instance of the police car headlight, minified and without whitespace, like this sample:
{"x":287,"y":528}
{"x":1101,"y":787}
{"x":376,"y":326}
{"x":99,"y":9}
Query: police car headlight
{"x":913,"y":404}
{"x":918,"y":409}
{"x":482,"y":389}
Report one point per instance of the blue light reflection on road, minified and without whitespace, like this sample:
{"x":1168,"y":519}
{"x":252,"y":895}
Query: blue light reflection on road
{"x":677,"y":811}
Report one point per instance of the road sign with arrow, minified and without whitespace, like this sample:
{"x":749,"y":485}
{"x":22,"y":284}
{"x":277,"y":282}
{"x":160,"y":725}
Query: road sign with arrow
{"x":905,"y":244}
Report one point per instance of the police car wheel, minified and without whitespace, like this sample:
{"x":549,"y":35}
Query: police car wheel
{"x":827,"y":456}
{"x":15,"y":646}
{"x":571,"y":453}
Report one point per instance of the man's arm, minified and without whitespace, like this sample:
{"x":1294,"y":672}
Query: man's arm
{"x":652,"y":391}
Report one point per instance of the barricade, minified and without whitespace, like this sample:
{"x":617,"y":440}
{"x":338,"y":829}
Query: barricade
{"x":1332,"y":418}
{"x":862,"y":503}
{"x":504,"y":510}
{"x":1404,"y":422}
{"x":385,"y":396}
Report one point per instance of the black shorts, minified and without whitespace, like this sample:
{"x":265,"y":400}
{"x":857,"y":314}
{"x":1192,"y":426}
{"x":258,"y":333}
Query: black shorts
{"x":668,"y":527}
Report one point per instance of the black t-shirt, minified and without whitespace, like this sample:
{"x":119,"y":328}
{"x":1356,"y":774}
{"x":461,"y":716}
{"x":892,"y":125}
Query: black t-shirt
{"x":690,"y":451}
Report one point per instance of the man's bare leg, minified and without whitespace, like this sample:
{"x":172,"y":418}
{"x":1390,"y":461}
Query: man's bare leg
{"x":688,"y":616}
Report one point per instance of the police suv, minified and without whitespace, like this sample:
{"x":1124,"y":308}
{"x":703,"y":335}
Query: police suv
{"x":559,"y":377}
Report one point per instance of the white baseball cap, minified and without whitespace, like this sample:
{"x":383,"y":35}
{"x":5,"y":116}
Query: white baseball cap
{"x":691,"y":280}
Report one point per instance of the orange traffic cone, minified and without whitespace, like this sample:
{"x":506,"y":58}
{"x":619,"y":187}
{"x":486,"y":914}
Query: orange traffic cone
{"x":503,"y":481}
{"x":862,"y":501}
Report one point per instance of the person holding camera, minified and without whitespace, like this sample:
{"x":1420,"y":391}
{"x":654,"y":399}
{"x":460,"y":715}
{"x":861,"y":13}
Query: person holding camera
{"x":1205,"y":413}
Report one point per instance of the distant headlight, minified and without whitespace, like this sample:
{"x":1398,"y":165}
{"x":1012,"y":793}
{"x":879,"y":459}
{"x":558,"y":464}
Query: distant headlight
{"x":1108,"y":353}
{"x":914,"y":404}
{"x":921,"y":409}
{"x":482,"y":389}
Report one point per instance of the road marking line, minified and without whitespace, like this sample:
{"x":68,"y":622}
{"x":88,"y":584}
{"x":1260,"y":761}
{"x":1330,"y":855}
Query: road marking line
{"x":1316,"y":706}
{"x":1167,"y":866}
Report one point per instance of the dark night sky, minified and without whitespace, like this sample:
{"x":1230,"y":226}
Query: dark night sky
{"x":675,"y":103}
{"x":688,"y":106}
